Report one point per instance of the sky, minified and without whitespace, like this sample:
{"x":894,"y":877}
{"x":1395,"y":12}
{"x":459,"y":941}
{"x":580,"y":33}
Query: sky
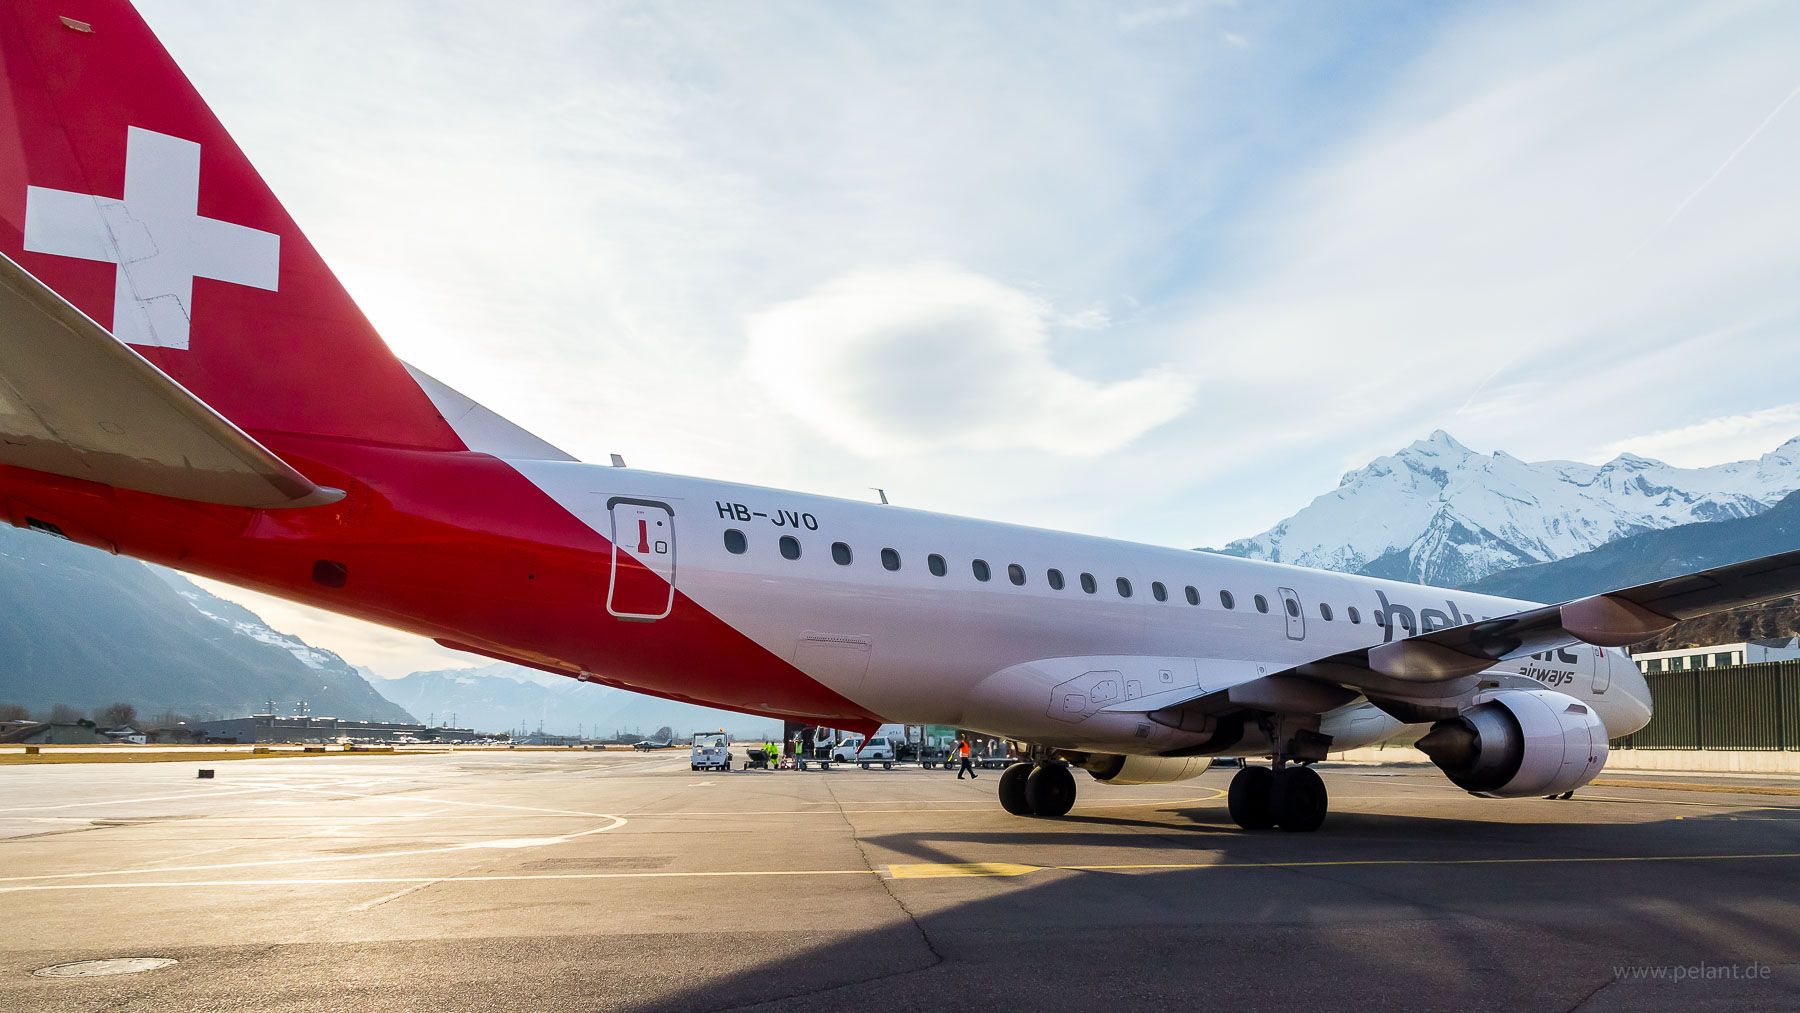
{"x":1157,"y":271}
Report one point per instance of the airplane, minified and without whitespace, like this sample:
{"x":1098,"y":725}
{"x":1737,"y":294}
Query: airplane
{"x":184,"y":381}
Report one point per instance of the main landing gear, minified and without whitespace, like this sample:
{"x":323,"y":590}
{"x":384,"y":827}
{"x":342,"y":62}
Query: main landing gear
{"x":1037,"y":789}
{"x":1289,"y":796}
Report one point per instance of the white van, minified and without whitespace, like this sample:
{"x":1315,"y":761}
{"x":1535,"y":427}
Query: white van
{"x":712,"y":751}
{"x":851,"y":749}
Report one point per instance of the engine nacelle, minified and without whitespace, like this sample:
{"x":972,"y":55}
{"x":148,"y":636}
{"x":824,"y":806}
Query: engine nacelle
{"x":1520,"y":743}
{"x":1146,"y":769}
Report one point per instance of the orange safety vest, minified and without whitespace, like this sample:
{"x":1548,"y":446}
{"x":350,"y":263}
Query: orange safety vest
{"x":963,"y":750}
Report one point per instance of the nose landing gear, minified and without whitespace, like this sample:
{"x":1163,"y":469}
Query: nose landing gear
{"x":1037,"y":789}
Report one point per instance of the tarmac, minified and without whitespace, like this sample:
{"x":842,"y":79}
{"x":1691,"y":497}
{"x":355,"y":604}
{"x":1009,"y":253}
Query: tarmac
{"x":502,"y":880}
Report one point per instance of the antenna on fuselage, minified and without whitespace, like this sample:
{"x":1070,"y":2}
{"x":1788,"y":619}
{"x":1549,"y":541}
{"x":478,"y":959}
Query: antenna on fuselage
{"x":882,"y":493}
{"x":618,"y":461}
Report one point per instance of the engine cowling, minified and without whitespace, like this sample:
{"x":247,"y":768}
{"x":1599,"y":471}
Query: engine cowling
{"x":1520,"y":743}
{"x":1147,"y":769}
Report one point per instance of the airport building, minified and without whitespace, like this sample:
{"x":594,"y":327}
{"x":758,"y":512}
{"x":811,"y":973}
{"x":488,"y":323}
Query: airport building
{"x":1751,"y":652}
{"x":269,"y":728}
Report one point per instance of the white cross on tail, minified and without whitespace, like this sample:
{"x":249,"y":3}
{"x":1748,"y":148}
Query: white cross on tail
{"x":155,"y":235}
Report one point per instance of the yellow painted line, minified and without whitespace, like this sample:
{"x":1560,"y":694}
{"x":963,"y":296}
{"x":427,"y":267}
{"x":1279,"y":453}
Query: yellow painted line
{"x":954,"y":869}
{"x":947,"y":870}
{"x":1733,"y":789}
{"x":1670,"y":801}
{"x":1432,"y":861}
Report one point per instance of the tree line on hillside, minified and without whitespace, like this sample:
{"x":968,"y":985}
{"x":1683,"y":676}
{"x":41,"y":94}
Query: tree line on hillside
{"x":116,"y":715}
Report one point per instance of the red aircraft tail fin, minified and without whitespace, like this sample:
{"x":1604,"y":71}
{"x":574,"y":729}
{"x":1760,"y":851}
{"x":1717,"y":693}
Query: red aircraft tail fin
{"x":120,"y":190}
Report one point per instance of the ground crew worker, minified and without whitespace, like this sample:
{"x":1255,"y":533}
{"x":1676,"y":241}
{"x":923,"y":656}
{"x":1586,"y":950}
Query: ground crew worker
{"x":962,"y":750}
{"x":769,"y":752}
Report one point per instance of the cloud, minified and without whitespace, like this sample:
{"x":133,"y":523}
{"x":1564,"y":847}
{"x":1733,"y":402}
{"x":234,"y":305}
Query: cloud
{"x":1147,"y":17}
{"x":1538,"y":205}
{"x":936,"y":357}
{"x":1728,"y":438}
{"x":1377,"y":221}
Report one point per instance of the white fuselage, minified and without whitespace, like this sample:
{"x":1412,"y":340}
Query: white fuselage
{"x":886,"y":631}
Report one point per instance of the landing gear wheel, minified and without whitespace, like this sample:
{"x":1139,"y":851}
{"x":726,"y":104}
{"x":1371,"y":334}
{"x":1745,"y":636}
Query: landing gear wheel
{"x":1050,"y":790}
{"x":1012,"y":789}
{"x":1299,"y":800}
{"x":1248,"y":798}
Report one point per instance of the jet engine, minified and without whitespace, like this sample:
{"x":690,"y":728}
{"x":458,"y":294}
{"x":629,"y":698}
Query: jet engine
{"x":1520,"y":743}
{"x":1146,"y":769}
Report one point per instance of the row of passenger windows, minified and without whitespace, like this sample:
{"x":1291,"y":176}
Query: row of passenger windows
{"x":737,"y":544}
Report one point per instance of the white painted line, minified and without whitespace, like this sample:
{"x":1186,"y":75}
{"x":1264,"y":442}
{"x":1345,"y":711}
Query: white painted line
{"x":134,"y":801}
{"x":427,"y":881}
{"x":530,"y":842}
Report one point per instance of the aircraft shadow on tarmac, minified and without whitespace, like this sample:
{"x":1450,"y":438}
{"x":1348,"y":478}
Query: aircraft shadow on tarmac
{"x":1382,"y":911}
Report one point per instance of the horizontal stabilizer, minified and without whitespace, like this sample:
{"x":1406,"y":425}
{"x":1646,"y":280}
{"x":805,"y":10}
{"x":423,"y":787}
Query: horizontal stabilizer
{"x":77,"y":402}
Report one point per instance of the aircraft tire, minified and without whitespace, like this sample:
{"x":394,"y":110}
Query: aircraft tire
{"x":1050,"y":790}
{"x":1250,"y":796}
{"x":1299,"y":800}
{"x":1012,"y":789}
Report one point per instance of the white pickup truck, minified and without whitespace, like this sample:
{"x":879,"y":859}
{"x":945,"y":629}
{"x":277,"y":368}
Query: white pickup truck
{"x":712,"y":751}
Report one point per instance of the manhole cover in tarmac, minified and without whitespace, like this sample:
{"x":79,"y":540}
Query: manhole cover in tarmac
{"x":96,"y":968}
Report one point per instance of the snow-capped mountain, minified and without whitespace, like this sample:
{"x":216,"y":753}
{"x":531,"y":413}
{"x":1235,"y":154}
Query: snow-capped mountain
{"x":1439,"y":513}
{"x":501,"y":697}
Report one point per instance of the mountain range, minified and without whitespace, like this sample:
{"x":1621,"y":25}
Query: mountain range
{"x":87,"y":629}
{"x":1655,"y":555}
{"x":500,"y":697}
{"x":1652,"y":555}
{"x":1439,"y":513}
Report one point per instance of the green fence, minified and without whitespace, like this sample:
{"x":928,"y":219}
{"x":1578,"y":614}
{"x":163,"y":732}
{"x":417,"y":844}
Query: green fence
{"x":1741,"y":707}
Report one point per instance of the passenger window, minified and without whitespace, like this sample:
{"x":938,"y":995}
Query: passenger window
{"x":1193,"y":595}
{"x":981,"y":569}
{"x":1124,"y":587}
{"x":1087,"y":583}
{"x":1262,"y":604}
{"x":1379,"y":619}
{"x":1226,"y":600}
{"x":890,"y":559}
{"x":1016,"y":574}
{"x":1324,"y":611}
{"x":840,"y":553}
{"x":735,"y":542}
{"x":1355,"y":616}
{"x":935,"y":563}
{"x":790,"y":547}
{"x":1055,"y":579}
{"x":1158,"y":591}
{"x":1293,"y":607}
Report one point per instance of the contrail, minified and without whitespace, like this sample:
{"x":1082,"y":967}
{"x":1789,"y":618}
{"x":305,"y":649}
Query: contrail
{"x":1679,"y":208}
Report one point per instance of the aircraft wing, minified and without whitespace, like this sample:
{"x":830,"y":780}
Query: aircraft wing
{"x":77,"y":402}
{"x":1613,"y":619}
